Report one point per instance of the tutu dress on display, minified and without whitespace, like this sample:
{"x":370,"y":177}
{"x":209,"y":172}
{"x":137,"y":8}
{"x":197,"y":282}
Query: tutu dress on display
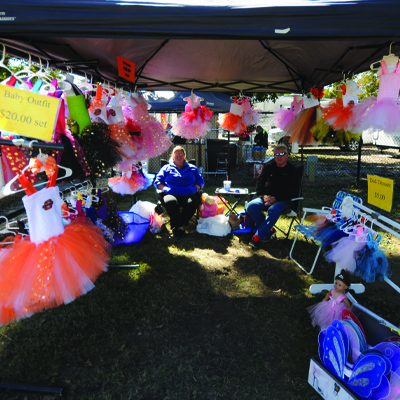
{"x":371,"y":262}
{"x":129,"y":182}
{"x":192,"y":124}
{"x":299,"y":129}
{"x":251,"y":116}
{"x":283,"y":117}
{"x":233,"y":120}
{"x":325,"y":312}
{"x":54,"y":265}
{"x":382,"y":112}
{"x":340,"y":113}
{"x":153,"y":140}
{"x":120,"y":134}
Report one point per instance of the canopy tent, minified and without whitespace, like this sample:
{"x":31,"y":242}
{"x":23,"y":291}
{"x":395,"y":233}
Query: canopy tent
{"x":224,"y":45}
{"x":214,"y":101}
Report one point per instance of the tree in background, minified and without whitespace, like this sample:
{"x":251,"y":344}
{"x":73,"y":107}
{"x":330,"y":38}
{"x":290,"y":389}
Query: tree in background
{"x":368,"y":82}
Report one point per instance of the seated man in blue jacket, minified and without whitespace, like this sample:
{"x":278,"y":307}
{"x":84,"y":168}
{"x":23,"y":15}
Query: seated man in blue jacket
{"x":180,"y":183}
{"x":277,"y":184}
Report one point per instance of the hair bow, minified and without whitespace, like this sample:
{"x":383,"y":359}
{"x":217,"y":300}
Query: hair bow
{"x":37,"y":165}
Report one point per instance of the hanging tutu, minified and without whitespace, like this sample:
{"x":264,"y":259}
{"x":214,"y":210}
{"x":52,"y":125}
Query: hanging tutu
{"x":119,"y":133}
{"x":233,"y":120}
{"x":324,"y":133}
{"x":344,"y":252}
{"x":299,"y":129}
{"x":328,"y":233}
{"x":128,"y":183}
{"x":325,"y":312}
{"x":101,"y":151}
{"x":382,"y":112}
{"x":55,"y":264}
{"x":371,"y":262}
{"x":282,"y":118}
{"x":250,"y":116}
{"x":192,"y":124}
{"x":340,"y":117}
{"x":153,"y":140}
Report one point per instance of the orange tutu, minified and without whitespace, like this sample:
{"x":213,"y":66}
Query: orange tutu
{"x":34,"y":277}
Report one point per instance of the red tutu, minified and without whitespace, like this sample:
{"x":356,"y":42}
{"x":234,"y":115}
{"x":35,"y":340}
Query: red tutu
{"x":45,"y":275}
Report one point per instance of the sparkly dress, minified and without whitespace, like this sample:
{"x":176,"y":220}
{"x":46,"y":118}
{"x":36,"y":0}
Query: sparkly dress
{"x":153,"y":140}
{"x":192,"y":124}
{"x":55,"y":264}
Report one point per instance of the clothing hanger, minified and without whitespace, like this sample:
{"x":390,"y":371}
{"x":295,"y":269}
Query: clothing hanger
{"x":6,"y":189}
{"x":21,"y":82}
{"x":391,"y":58}
{"x":7,"y":227}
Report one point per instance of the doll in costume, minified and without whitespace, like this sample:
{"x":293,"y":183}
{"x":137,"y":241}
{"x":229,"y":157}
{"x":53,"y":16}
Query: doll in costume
{"x":153,"y":140}
{"x":192,"y":124}
{"x":331,"y":307}
{"x":54,"y":264}
{"x":233,"y":120}
{"x":382,"y":112}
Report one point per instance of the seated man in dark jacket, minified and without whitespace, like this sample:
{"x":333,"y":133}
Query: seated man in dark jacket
{"x":277,"y":184}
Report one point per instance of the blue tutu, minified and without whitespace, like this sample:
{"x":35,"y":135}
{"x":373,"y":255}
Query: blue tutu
{"x":371,"y":262}
{"x":329,"y":233}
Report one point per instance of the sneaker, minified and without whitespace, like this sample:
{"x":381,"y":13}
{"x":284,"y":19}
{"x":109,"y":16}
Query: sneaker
{"x":256,"y":241}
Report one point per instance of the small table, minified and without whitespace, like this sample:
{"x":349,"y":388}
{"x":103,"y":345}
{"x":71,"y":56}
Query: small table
{"x":239,"y":193}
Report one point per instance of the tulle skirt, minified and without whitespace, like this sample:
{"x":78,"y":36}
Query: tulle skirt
{"x":282,"y":118}
{"x":180,"y":128}
{"x":340,"y":117}
{"x":344,"y":253}
{"x":128,"y":148}
{"x":125,"y":185}
{"x":153,"y":140}
{"x":232,"y":122}
{"x":251,"y":118}
{"x":372,"y":264}
{"x":300,"y":127}
{"x":37,"y":276}
{"x":198,"y":116}
{"x":378,"y":115}
{"x":324,"y":313}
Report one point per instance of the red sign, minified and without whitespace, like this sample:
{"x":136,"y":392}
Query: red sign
{"x":126,"y":69}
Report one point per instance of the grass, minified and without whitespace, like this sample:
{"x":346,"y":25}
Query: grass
{"x":201,"y":318}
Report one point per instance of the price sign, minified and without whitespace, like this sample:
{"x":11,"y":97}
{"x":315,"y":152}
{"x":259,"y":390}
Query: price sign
{"x":126,"y":69}
{"x":28,"y":114}
{"x":380,"y":192}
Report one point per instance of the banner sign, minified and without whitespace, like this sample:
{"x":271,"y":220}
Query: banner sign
{"x":380,"y":192}
{"x":126,"y":69}
{"x":28,"y":114}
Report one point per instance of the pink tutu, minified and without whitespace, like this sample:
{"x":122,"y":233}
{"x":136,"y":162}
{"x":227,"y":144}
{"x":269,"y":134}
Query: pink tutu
{"x":251,"y":116}
{"x":153,"y":140}
{"x":383,"y":112}
{"x":192,"y":124}
{"x":282,"y":118}
{"x":325,"y":312}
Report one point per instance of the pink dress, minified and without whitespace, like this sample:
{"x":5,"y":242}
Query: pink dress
{"x":325,"y":312}
{"x":382,"y":112}
{"x":192,"y":124}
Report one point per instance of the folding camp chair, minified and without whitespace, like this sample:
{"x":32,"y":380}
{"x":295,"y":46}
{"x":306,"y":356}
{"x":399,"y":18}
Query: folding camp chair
{"x":308,"y":230}
{"x":293,"y":212}
{"x":160,"y":209}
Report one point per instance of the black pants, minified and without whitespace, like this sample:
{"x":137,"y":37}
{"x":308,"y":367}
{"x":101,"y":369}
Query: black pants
{"x":181,"y":208}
